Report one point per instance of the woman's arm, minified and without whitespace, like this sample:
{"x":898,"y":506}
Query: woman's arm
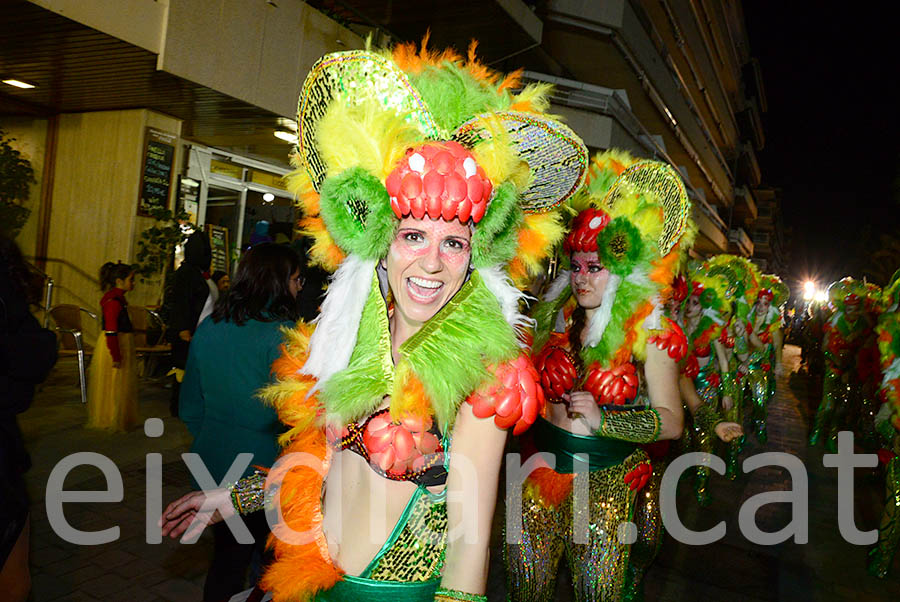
{"x":721,"y":357}
{"x":662,"y":376}
{"x":111,"y":310}
{"x":476,"y":453}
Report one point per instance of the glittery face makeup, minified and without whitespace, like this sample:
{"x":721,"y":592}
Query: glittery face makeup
{"x":589,"y":279}
{"x":426,"y":266}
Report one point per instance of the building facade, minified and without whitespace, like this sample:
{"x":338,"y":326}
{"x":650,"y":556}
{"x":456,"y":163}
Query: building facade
{"x":202,"y":85}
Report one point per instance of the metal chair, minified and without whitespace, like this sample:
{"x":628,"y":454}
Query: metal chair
{"x":67,"y":319}
{"x":149,"y":336}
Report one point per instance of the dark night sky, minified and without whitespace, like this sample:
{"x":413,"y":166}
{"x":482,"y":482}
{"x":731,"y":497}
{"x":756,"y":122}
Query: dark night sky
{"x":832,"y":78}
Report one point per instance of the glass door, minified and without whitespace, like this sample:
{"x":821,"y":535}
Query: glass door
{"x":224,"y":208}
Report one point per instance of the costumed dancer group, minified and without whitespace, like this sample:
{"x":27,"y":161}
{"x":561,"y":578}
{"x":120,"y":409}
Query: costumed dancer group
{"x":861,"y":389}
{"x":434,"y":191}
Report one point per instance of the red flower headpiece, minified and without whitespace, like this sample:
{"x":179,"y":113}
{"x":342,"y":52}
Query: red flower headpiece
{"x":441,"y":180}
{"x":852,"y":299}
{"x":679,"y":289}
{"x":766,"y":293}
{"x":583,"y":236}
{"x":696,"y":288}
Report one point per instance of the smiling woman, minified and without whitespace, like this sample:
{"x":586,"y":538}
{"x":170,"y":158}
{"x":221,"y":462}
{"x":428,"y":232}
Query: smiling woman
{"x":412,"y":174}
{"x":426,"y":265}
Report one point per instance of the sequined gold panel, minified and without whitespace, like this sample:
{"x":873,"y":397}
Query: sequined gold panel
{"x":356,"y":76}
{"x":417,"y":553}
{"x":598,"y":567}
{"x":557,"y":158}
{"x":662,"y":181}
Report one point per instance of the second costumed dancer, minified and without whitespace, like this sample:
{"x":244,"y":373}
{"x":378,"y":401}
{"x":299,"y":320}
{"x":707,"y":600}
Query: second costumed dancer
{"x":765,"y":337}
{"x":608,"y":357}
{"x":846,"y":332}
{"x":706,"y":312}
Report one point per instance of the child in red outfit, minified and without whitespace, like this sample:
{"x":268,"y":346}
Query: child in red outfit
{"x":112,"y":390}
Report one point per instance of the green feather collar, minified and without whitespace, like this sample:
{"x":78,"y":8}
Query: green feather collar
{"x":449,"y":355}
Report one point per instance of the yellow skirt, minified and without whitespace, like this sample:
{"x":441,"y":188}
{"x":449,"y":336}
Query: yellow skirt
{"x":112,"y":392}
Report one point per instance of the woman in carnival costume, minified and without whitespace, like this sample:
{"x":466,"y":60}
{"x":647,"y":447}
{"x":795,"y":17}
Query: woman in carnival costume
{"x":607,"y":359}
{"x":845,"y":333}
{"x":706,"y":312}
{"x":741,"y":276}
{"x":765,"y":340}
{"x":647,"y":516}
{"x":422,"y":178}
{"x":888,"y":425}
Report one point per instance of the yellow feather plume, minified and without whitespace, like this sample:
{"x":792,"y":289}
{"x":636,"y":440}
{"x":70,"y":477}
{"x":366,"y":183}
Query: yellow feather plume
{"x":538,"y":235}
{"x":363,"y":135}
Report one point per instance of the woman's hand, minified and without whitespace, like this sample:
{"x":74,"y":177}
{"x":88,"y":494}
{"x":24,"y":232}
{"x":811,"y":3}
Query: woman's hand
{"x":187,"y":516}
{"x":582,"y":402}
{"x":728,"y":431}
{"x":727,"y":403}
{"x":185,"y":335}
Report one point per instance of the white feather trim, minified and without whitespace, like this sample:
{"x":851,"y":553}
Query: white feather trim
{"x":600,"y":320}
{"x":508,"y":296}
{"x":332,"y":343}
{"x":713,"y":315}
{"x":892,"y":372}
{"x":558,"y":285}
{"x":884,"y":414}
{"x":640,"y":278}
{"x":654,"y":320}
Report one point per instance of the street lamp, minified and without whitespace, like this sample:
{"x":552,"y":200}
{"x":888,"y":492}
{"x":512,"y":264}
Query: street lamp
{"x":809,"y":290}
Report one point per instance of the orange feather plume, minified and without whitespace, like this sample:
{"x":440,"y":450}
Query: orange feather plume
{"x":549,"y":486}
{"x":410,"y":399}
{"x":300,"y":570}
{"x":623,"y":353}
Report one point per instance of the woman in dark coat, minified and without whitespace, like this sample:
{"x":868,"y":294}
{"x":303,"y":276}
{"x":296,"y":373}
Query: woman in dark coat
{"x":189,"y":294}
{"x":27,"y":353}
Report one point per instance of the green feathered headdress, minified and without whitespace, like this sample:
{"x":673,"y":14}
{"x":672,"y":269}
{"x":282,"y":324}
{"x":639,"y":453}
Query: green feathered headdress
{"x":639,"y":212}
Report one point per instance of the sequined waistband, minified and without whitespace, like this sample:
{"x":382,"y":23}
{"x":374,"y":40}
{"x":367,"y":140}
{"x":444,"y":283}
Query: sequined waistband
{"x":601,"y":452}
{"x":354,"y":589}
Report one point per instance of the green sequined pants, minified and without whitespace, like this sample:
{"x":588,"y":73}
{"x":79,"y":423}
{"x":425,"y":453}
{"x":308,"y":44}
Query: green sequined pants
{"x":735,"y":388}
{"x":881,"y":556}
{"x":762,"y":387}
{"x":648,"y":520}
{"x":703,"y":435}
{"x":831,"y":417}
{"x":598,"y":565}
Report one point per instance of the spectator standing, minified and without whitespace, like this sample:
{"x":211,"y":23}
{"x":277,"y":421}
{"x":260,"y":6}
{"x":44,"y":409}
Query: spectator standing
{"x":189,"y":294}
{"x":112,"y":390}
{"x":222,"y":280}
{"x":230,"y":360}
{"x":27,"y":353}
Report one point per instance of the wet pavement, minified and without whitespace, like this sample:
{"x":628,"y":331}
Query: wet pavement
{"x":733,"y":569}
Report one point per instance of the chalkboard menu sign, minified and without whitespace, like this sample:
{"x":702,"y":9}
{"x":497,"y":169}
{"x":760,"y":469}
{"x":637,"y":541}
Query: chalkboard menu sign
{"x":218,"y":240}
{"x":157,"y":170}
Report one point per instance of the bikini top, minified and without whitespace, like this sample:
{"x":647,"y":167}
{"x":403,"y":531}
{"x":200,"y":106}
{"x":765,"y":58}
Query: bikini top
{"x":406,"y":451}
